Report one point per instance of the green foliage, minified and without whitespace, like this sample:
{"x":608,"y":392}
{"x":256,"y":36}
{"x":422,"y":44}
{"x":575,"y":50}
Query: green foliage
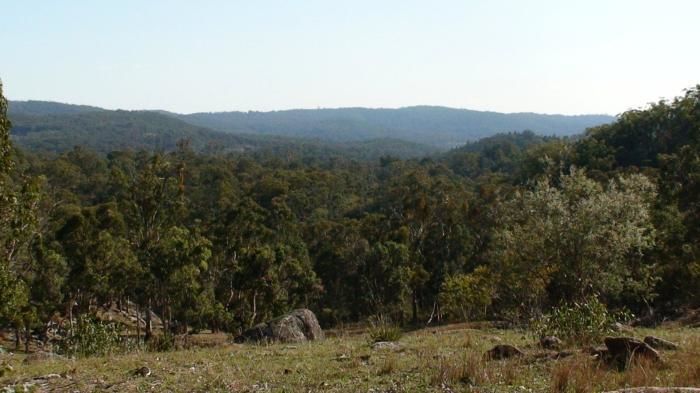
{"x":91,"y":337}
{"x":579,"y":323}
{"x":468,"y":296}
{"x":381,"y":328}
{"x":5,"y":145}
{"x":18,"y":220}
{"x":13,"y":294}
{"x":573,"y":240}
{"x":506,"y":227}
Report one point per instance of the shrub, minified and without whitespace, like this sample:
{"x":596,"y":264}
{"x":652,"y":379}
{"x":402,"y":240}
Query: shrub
{"x":91,"y":337}
{"x":382,"y":329}
{"x":467,"y":296}
{"x":161,"y":343}
{"x":579,"y":322}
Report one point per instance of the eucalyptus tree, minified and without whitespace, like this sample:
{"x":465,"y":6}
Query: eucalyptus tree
{"x":572,"y":240}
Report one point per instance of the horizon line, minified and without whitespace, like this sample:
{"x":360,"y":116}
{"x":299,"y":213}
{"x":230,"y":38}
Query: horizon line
{"x":322,"y":108}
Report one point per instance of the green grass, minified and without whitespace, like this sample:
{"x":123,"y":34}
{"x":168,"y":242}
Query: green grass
{"x":447,"y":359}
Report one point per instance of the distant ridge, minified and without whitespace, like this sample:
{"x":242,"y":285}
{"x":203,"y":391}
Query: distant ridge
{"x":54,"y":127}
{"x":41,"y":108}
{"x":436,"y":126}
{"x":439,"y":127}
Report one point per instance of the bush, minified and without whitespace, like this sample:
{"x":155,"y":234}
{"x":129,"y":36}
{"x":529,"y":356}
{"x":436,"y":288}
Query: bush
{"x":579,"y":323}
{"x":467,"y":296}
{"x":91,"y":337}
{"x":382,"y":329}
{"x":161,"y":343}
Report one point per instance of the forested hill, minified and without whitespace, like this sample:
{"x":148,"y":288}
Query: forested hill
{"x":507,"y":228}
{"x":437,"y":126}
{"x":105,"y":131}
{"x":40,"y":108}
{"x":56,"y":127}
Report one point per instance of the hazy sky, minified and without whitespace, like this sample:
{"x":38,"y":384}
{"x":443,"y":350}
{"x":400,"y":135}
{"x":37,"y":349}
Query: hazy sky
{"x":558,"y":56}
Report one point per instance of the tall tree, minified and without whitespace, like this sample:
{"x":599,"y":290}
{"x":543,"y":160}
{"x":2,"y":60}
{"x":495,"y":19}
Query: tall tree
{"x":572,"y":240}
{"x":13,"y":292}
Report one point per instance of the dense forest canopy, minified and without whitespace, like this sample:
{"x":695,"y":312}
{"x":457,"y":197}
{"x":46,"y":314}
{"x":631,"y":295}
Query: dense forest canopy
{"x":506,"y":227}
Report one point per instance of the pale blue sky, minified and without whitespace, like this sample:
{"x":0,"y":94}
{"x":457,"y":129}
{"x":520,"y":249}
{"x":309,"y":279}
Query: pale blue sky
{"x":544,"y":56}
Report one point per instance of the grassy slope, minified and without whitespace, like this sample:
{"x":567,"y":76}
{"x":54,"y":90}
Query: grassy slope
{"x":443,"y":360}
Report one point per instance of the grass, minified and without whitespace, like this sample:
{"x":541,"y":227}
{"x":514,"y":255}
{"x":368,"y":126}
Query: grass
{"x":447,"y":359}
{"x":382,"y":329}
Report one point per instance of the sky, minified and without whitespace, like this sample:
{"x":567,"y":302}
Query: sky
{"x":558,"y":56}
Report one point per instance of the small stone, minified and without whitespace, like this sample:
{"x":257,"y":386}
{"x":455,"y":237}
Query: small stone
{"x":390,"y":345}
{"x":503,"y":351}
{"x":342,"y":357}
{"x":142,"y":371}
{"x":550,"y":342}
{"x":620,"y":328}
{"x":660,"y":343}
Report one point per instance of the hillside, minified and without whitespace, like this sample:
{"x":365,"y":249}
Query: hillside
{"x":106,"y":131}
{"x":40,"y":108}
{"x":437,"y":126}
{"x":55,"y":127}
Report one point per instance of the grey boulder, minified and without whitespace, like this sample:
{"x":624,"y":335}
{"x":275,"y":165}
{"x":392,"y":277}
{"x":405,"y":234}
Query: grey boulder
{"x":297,"y":326}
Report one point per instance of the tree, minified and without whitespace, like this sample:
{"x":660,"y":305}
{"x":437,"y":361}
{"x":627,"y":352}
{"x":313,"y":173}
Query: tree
{"x":469,"y":295}
{"x":263,"y":264}
{"x":573,"y":240}
{"x":19,"y":200}
{"x":102,"y":265}
{"x":151,"y":200}
{"x":13,"y":292}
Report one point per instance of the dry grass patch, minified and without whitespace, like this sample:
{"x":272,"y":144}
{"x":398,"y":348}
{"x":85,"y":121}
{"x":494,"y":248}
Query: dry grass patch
{"x":429,"y":361}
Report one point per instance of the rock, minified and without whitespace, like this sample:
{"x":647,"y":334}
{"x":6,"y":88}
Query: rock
{"x":42,"y":356}
{"x":561,"y":354}
{"x":343,"y":357}
{"x":620,"y":328}
{"x":660,"y":343}
{"x":623,"y":349}
{"x":550,"y":342}
{"x":503,"y":351}
{"x":297,"y":326}
{"x":552,"y":355}
{"x":390,"y":345}
{"x":142,"y":372}
{"x":600,"y":353}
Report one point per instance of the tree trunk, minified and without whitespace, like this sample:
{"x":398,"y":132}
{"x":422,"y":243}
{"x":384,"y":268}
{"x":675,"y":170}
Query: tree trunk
{"x":149,"y":327}
{"x":414,"y":308}
{"x":69,"y":312}
{"x":18,"y":338}
{"x":252,"y":318}
{"x":27,"y":338}
{"x":138,"y":326}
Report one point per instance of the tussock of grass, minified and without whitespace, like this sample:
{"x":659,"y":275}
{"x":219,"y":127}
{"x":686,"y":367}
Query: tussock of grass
{"x":382,"y":329}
